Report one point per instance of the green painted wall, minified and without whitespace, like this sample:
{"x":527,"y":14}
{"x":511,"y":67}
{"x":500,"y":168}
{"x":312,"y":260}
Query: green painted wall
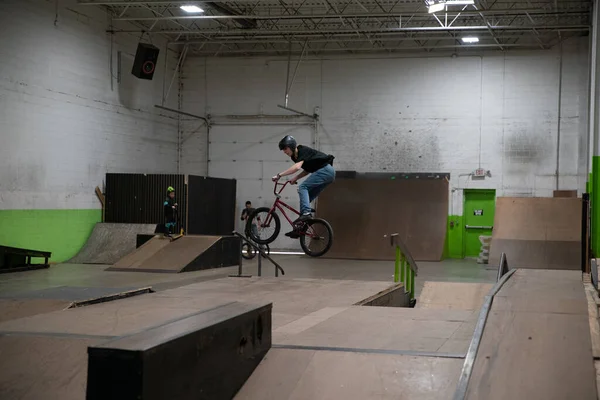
{"x":595,"y":202}
{"x":454,"y":237}
{"x":63,"y":232}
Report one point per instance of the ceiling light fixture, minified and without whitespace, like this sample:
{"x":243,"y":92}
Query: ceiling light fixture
{"x":192,"y":9}
{"x":470,"y":39}
{"x":433,"y":8}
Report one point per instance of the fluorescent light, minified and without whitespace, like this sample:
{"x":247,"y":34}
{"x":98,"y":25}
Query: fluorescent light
{"x":460,"y":2}
{"x":436,"y":7}
{"x":470,"y":39}
{"x":192,"y":9}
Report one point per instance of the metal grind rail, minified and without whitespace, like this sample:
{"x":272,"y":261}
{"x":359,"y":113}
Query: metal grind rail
{"x":463,"y":383}
{"x":405,"y":267}
{"x":260,"y":253}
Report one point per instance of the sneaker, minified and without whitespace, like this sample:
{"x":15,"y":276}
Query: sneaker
{"x":293,"y":234}
{"x":304,"y":217}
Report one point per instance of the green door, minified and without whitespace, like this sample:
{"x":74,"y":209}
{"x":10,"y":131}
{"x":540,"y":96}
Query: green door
{"x":478,"y":213}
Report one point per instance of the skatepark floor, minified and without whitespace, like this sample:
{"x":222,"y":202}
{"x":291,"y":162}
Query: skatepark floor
{"x":46,"y":283}
{"x":324,"y":346}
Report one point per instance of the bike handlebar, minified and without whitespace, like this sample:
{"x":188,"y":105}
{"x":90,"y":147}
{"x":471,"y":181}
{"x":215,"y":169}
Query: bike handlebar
{"x":283,"y":185}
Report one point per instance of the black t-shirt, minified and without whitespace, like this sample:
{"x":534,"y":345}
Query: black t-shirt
{"x":313,"y":159}
{"x":247,"y":211}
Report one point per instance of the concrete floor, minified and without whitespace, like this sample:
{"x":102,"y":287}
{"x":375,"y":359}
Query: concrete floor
{"x":34,"y":284}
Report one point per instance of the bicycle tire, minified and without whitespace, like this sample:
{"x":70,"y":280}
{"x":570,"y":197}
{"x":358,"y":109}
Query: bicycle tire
{"x":303,"y":244}
{"x":275,"y":220}
{"x":250,"y":252}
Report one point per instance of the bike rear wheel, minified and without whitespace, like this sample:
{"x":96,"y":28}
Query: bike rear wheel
{"x":316,"y":237}
{"x":248,"y":251}
{"x":267,"y":223}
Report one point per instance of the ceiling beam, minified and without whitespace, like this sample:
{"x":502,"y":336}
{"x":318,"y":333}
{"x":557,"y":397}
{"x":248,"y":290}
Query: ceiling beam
{"x":507,"y":12}
{"x":373,"y":30}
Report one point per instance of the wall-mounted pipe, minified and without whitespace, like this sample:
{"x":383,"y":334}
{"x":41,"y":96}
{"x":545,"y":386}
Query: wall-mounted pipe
{"x":559,"y":115}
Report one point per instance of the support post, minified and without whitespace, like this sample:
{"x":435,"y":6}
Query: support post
{"x":397,"y":265}
{"x":412,"y":284}
{"x":403,"y":266}
{"x":260,"y":264}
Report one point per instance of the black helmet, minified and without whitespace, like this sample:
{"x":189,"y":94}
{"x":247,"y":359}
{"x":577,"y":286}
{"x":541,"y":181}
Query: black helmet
{"x":287,"y":141}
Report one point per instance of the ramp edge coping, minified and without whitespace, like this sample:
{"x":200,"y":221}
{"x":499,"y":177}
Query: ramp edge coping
{"x":111,"y":297}
{"x":465,"y":376}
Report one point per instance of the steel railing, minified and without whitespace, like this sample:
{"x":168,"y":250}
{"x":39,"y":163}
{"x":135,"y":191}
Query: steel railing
{"x":405,"y":267}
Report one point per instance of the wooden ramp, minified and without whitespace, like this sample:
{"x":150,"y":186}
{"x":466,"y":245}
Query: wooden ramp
{"x":109,"y":242}
{"x":536,"y":342}
{"x":453,"y":295}
{"x":537,"y":232}
{"x":188,"y":253}
{"x":415,"y":208}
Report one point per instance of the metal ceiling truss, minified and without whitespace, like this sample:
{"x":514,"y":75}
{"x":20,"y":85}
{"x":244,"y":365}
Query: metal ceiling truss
{"x":273,"y":27}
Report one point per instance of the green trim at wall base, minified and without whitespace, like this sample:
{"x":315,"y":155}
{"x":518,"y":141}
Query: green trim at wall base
{"x":595,"y":206}
{"x":454,"y":237}
{"x":63,"y":232}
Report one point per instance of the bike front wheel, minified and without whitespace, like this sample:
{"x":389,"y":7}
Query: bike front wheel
{"x":316,"y":237}
{"x":267,"y":224}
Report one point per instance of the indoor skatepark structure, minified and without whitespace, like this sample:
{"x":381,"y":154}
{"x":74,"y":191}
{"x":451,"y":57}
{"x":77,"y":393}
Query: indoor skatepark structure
{"x":291,"y":338}
{"x":319,"y":344}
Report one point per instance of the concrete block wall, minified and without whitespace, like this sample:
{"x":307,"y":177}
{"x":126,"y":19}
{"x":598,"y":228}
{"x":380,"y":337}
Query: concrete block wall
{"x":69,"y":113}
{"x":417,"y":113}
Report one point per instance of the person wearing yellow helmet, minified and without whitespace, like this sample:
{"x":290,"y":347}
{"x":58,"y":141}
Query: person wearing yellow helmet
{"x":170,"y":210}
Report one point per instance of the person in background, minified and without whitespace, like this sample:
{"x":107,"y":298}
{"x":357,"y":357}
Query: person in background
{"x":246,"y":213}
{"x":170,"y":210}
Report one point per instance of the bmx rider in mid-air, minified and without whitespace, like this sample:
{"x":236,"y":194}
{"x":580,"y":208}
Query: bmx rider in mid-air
{"x":311,"y":161}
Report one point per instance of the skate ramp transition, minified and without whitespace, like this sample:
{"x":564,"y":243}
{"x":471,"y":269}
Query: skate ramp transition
{"x":537,"y":232}
{"x":188,"y":253}
{"x":361,"y":211}
{"x":453,"y":295}
{"x":109,"y":242}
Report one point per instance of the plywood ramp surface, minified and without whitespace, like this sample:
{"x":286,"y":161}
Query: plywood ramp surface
{"x":40,"y":368}
{"x":287,"y":374}
{"x":536,"y":343}
{"x":292,"y":298}
{"x":382,"y":328}
{"x":162,"y":254}
{"x":142,"y":253}
{"x":180,"y":253}
{"x":19,"y":308}
{"x":109,"y":242}
{"x":453,"y":295}
{"x":416,"y":209}
{"x":537,"y":232}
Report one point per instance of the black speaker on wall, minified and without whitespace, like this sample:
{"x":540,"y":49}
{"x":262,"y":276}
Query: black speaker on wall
{"x":145,"y":61}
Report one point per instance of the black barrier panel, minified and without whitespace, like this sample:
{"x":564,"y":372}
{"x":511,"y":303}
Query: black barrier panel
{"x":139,"y":198}
{"x":211,"y":205}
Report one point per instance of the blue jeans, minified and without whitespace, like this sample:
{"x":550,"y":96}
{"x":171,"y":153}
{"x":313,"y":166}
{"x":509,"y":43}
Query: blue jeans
{"x":312,"y":186}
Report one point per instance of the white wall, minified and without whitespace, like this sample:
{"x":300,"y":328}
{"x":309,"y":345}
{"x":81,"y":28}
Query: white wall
{"x":405,"y":114}
{"x":62,"y":124}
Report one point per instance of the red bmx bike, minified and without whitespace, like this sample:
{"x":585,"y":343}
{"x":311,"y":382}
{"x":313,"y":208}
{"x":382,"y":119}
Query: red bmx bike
{"x":315,"y":234}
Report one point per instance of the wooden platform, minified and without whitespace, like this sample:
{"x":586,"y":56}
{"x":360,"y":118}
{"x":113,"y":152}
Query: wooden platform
{"x":44,"y":356}
{"x":536,"y":343}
